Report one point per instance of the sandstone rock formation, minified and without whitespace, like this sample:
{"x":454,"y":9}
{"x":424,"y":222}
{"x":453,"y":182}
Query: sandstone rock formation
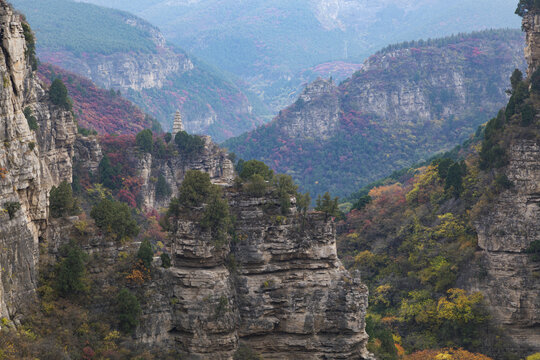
{"x":31,"y":162}
{"x":279,"y":288}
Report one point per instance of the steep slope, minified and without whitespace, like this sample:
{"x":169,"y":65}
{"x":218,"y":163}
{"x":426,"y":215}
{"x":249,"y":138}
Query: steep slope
{"x":122,"y":52}
{"x":274,"y":42}
{"x":31,"y":162}
{"x":406,"y":103}
{"x":457,"y":241}
{"x":106,"y":112}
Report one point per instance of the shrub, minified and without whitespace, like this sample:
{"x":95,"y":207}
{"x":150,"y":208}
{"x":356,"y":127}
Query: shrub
{"x":145,"y":253}
{"x":166,"y":260}
{"x":535,"y":81}
{"x":503,"y":182}
{"x":30,"y":119}
{"x":107,"y":173}
{"x":71,"y":270}
{"x":246,"y":353}
{"x":534,"y":250}
{"x":58,"y":94}
{"x":285,"y":188}
{"x":527,"y":115}
{"x":61,"y":201}
{"x":327,"y":205}
{"x":256,"y":186}
{"x":12,"y":207}
{"x":163,"y":190}
{"x":129,"y":311}
{"x":216,"y":216}
{"x":145,"y":141}
{"x":115,"y":218}
{"x":30,"y":46}
{"x":188,"y":144}
{"x":167,"y":138}
{"x":534,"y":357}
{"x":194,"y":189}
{"x":252,"y":167}
{"x":362,"y":202}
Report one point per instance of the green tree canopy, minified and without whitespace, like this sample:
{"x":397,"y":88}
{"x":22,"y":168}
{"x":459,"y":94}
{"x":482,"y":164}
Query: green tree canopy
{"x":145,"y":141}
{"x":129,"y":311}
{"x":61,"y":201}
{"x":525,"y":6}
{"x":188,"y":144}
{"x":58,"y":94}
{"x":115,"y":218}
{"x":145,"y":253}
{"x":71,"y":270}
{"x":328,"y":205}
{"x":252,"y":167}
{"x":194,"y":189}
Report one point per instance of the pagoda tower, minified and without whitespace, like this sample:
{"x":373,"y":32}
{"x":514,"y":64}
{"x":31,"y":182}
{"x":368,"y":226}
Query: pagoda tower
{"x":177,"y":125}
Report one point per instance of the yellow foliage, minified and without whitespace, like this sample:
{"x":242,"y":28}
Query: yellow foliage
{"x":422,"y":181}
{"x":459,"y":307}
{"x":534,"y":357}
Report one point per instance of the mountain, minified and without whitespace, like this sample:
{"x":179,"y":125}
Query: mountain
{"x":91,"y":269}
{"x":122,"y":52}
{"x":406,"y":103}
{"x":451,"y":249}
{"x":269,"y":44}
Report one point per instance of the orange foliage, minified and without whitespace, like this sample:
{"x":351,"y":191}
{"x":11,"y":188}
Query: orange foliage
{"x":3,"y":173}
{"x":139,"y":274}
{"x":445,"y":354}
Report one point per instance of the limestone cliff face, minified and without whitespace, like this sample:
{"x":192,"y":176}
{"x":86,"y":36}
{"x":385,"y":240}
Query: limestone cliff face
{"x":531,"y":26}
{"x":212,"y":160}
{"x":30,"y":164}
{"x":279,"y":288}
{"x":508,"y":277}
{"x":316,"y":114}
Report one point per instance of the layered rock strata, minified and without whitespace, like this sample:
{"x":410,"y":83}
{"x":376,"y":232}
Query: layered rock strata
{"x":507,"y":275}
{"x":31,"y":162}
{"x":278,"y":288}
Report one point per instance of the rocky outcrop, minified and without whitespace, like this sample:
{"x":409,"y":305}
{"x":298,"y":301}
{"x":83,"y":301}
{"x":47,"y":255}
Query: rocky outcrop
{"x":531,"y":26}
{"x":212,"y":160}
{"x":124,"y":71}
{"x":316,"y":113}
{"x":278,"y":288}
{"x":31,"y":162}
{"x":506,"y":275}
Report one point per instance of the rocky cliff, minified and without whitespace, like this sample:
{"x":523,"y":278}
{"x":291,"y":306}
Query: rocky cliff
{"x":279,"y":288}
{"x":406,"y":103}
{"x":31,"y":162}
{"x":508,"y":276}
{"x":211,"y":159}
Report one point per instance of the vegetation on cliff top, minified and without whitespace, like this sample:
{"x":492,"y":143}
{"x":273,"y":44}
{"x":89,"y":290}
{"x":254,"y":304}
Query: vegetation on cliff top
{"x":412,"y":235}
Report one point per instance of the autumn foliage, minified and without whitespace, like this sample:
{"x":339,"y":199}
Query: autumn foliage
{"x":445,"y":354}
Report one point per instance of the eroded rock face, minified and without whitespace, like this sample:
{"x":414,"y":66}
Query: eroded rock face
{"x":212,"y":160}
{"x":279,"y":288}
{"x":531,"y":26}
{"x":317,"y":113}
{"x":510,"y":278}
{"x":31,"y":162}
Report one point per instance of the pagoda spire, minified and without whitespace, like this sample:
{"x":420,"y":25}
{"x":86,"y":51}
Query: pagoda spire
{"x":177,"y":125}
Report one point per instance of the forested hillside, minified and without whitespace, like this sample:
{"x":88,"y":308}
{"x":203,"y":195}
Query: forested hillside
{"x":119,"y":51}
{"x":446,"y":246}
{"x":270,"y":44}
{"x":407,"y":103}
{"x":103,"y":111}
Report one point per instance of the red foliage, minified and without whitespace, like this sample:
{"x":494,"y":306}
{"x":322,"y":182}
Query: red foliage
{"x":95,"y":108}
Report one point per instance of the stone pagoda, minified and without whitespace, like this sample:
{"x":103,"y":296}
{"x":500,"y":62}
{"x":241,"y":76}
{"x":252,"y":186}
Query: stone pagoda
{"x":177,"y":125}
